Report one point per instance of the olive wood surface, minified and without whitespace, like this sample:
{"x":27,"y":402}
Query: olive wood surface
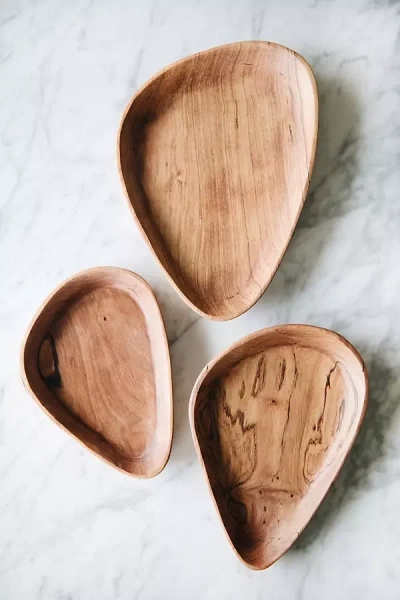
{"x":273,"y":419}
{"x":96,"y":358}
{"x":216,"y":154}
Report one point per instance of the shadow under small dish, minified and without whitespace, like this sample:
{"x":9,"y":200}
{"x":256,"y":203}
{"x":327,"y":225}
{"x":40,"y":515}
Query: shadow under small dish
{"x":216,"y":154}
{"x":96,"y":358}
{"x":273,"y":419}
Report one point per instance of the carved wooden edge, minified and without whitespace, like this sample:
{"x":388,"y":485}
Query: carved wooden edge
{"x":143,"y":283}
{"x":313,"y":151}
{"x":199,"y":381}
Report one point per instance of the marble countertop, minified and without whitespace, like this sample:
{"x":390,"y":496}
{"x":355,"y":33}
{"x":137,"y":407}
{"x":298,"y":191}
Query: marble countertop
{"x":71,"y":527}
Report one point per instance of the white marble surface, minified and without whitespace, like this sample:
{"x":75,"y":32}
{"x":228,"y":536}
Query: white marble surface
{"x":70,"y":526}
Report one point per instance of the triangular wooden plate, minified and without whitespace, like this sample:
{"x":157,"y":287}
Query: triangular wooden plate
{"x":273,"y":419}
{"x":96,"y":358}
{"x":216,"y":154}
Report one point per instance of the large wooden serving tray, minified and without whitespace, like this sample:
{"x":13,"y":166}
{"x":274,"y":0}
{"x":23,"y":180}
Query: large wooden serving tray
{"x":216,"y":154}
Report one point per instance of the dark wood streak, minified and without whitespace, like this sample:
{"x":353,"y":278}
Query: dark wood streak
{"x":317,"y":439}
{"x":246,"y":430}
{"x":259,"y":380}
{"x":53,"y":379}
{"x":341,"y":413}
{"x":282,"y":374}
{"x":327,"y":386}
{"x":237,"y":417}
{"x":296,"y":374}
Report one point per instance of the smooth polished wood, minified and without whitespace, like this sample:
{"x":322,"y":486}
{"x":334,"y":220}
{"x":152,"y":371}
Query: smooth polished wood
{"x":216,"y":153}
{"x":96,"y":358}
{"x":273,"y":419}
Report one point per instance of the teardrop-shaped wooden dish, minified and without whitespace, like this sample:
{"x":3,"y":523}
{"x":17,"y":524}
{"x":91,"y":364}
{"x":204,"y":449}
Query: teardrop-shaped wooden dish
{"x":96,"y":358}
{"x":216,"y":154}
{"x":273,"y":419}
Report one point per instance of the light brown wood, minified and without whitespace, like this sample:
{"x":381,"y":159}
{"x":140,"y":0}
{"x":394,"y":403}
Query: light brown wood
{"x":96,"y":358}
{"x":216,"y":154}
{"x":273,"y":419}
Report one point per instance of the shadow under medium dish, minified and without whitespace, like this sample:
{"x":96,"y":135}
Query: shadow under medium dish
{"x":96,"y":358}
{"x":273,"y":419}
{"x":216,"y":153}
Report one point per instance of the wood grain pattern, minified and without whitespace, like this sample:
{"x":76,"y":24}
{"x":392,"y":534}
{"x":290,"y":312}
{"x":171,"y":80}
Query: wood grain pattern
{"x":216,"y":154}
{"x":273,"y":419}
{"x":97,"y":359}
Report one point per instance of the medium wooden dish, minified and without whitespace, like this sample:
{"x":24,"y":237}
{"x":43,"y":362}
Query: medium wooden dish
{"x":273,"y":419}
{"x":96,"y":358}
{"x":216,"y":154}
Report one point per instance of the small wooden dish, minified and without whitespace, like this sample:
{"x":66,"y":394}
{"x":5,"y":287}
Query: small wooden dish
{"x":216,"y":154}
{"x":273,"y":419}
{"x":96,"y":358}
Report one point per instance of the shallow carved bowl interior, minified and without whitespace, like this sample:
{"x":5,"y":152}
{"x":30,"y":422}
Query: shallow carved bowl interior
{"x":273,"y":419}
{"x":96,"y":358}
{"x":216,"y":153}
